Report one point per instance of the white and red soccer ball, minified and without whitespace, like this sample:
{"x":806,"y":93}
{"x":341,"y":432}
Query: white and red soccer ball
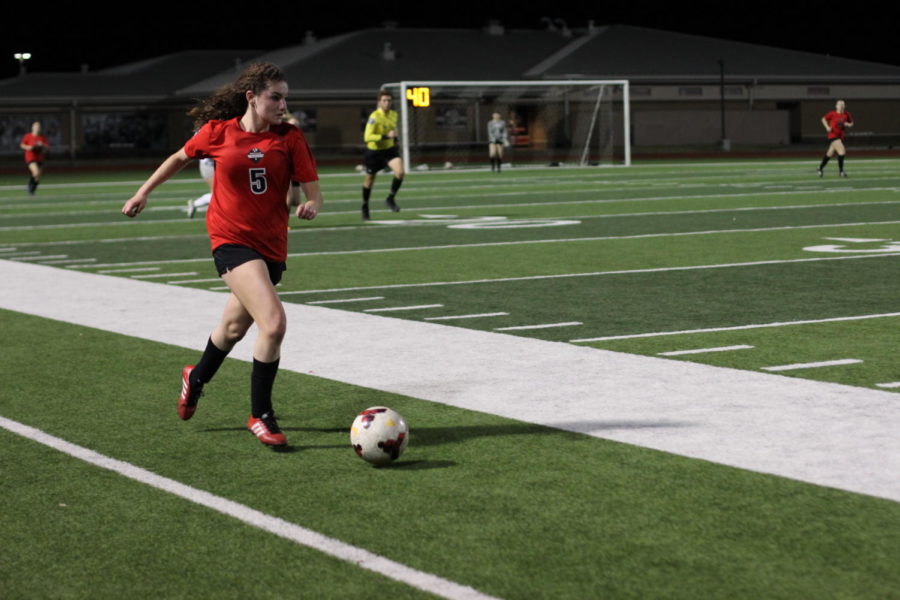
{"x":379,"y":435}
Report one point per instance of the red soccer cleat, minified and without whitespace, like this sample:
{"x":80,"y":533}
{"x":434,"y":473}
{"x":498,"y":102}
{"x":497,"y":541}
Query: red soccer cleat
{"x":187,"y":402}
{"x":266,"y":429}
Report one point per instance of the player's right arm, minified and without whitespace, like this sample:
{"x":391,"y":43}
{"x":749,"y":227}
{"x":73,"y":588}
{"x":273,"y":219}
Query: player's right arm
{"x":167,"y":169}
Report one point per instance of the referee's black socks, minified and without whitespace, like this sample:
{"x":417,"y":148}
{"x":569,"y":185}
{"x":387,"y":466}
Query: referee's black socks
{"x":395,"y":185}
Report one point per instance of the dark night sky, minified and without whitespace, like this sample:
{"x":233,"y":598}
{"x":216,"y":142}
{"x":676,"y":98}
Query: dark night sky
{"x":62,"y":39}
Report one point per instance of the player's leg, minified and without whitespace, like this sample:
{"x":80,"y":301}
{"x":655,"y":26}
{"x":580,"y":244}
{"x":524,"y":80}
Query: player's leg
{"x":368,"y":182}
{"x":828,"y":154}
{"x":396,"y":165}
{"x":34,"y":170}
{"x":499,"y":156}
{"x":232,"y":327}
{"x":841,"y":153}
{"x":252,"y":286}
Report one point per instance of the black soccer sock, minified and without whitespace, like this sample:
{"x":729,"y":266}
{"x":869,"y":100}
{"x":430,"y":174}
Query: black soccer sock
{"x":840,"y":162}
{"x":493,"y":163}
{"x":366,"y":193}
{"x":261,"y":381}
{"x":499,"y":163}
{"x":395,"y":185}
{"x":209,"y":363}
{"x":824,"y":162}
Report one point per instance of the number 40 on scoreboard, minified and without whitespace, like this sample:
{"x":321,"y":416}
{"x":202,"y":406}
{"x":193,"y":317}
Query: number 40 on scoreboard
{"x":419,"y":96}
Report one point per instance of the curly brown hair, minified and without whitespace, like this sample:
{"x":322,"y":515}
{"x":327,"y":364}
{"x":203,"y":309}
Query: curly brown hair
{"x":230,"y":100}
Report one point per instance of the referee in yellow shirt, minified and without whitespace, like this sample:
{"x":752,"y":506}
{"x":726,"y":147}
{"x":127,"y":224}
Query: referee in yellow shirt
{"x":381,"y":151}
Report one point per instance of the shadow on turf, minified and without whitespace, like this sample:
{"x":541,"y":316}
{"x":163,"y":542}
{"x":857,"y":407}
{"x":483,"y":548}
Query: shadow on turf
{"x":436,"y":436}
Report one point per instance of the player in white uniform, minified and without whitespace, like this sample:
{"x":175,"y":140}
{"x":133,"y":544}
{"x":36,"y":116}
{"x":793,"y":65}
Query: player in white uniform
{"x":497,"y":139}
{"x":207,"y":170}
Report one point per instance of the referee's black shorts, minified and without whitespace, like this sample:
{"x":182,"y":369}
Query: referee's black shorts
{"x":376,"y":160}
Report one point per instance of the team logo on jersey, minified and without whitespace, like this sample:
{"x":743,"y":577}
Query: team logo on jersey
{"x":255,"y":155}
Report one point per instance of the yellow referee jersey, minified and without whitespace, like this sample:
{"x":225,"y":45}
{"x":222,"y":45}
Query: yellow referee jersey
{"x":377,"y":127}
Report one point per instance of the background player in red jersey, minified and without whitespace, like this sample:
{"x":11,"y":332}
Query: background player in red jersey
{"x":259,"y":161}
{"x":836,"y":122}
{"x":34,"y":144}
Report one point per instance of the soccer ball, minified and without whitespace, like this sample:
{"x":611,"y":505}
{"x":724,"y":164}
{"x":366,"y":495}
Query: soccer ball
{"x":379,"y":435}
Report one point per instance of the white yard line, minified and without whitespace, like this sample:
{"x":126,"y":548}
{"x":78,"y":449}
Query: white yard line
{"x":474,"y":316}
{"x":163,"y":275}
{"x":890,"y":385}
{"x":68,"y":261}
{"x":822,"y":433}
{"x":346,"y":300}
{"x":401,"y":308}
{"x":705,"y":350}
{"x":756,"y":263}
{"x":635,"y":336}
{"x":814,"y":365}
{"x":127,"y":270}
{"x":540,"y":326}
{"x":274,"y":525}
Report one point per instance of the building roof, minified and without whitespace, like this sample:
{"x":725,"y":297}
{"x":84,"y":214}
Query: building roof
{"x":647,"y":55}
{"x":149,"y":80}
{"x":353,"y":65}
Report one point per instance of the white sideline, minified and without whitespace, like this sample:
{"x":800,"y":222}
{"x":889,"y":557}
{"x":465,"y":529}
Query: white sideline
{"x":822,"y":433}
{"x":289,"y":531}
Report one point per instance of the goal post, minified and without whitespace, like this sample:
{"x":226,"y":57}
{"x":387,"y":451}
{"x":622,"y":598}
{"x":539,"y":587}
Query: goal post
{"x":556,"y":123}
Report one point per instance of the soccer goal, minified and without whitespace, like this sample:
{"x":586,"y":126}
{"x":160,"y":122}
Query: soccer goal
{"x":556,"y":123}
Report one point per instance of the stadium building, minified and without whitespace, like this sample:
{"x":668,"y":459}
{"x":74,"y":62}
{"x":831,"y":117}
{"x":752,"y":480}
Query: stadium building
{"x":687,"y":93}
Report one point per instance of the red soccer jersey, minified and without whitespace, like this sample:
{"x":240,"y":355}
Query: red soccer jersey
{"x":253,"y":175}
{"x":836,"y":122}
{"x":35,"y":154}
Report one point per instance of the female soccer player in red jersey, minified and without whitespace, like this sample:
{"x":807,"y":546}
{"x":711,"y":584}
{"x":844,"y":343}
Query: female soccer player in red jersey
{"x":835,"y":123}
{"x":34,"y":144}
{"x":259,"y":161}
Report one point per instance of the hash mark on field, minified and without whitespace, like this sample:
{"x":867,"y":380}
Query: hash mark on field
{"x":393,"y":308}
{"x":131,"y":270}
{"x":24,"y":258}
{"x":892,"y":384}
{"x":158,"y":275}
{"x":814,"y":365}
{"x":704,"y":350}
{"x":475,"y":316}
{"x":542,"y":326}
{"x":194,"y":281}
{"x":342,"y":300}
{"x":68,"y":261}
{"x":283,"y":529}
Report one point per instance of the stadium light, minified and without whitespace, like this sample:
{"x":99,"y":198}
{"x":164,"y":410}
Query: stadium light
{"x":22,"y":57}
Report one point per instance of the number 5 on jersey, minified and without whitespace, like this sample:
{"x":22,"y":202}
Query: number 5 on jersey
{"x":258,"y":184}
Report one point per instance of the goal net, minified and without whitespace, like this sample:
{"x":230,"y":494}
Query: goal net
{"x":556,"y":123}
